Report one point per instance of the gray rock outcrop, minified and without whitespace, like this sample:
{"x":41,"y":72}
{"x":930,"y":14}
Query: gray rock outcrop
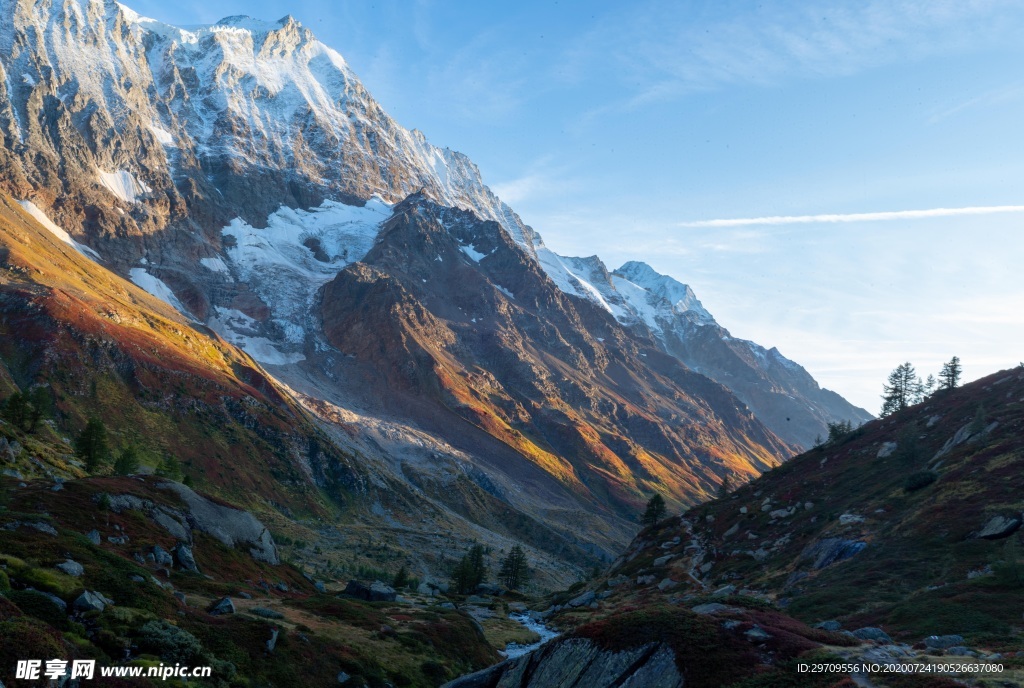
{"x":580,"y":662}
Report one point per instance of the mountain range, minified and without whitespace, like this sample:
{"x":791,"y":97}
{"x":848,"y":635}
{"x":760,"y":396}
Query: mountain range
{"x":440,"y":374}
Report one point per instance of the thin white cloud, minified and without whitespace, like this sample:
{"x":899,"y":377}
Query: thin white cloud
{"x":855,"y":217}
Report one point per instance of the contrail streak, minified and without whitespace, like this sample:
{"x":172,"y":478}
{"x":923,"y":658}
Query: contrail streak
{"x":856,"y":217}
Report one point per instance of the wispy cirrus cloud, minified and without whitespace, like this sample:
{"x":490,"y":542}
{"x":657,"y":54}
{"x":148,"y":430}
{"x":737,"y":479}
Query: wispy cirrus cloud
{"x":666,"y":50}
{"x":855,"y":217}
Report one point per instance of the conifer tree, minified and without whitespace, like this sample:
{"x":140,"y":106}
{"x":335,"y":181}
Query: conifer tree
{"x":514,"y":571}
{"x":91,"y":445}
{"x":902,"y":389}
{"x":949,"y":377}
{"x":655,"y":510}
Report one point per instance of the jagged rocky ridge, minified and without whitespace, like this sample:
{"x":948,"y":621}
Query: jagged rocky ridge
{"x":241,"y":171}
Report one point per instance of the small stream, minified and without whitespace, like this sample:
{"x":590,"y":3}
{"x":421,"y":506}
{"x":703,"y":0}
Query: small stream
{"x":513,"y":650}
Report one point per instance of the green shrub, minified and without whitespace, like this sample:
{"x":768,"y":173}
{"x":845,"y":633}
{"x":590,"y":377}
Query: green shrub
{"x":24,"y":637}
{"x":38,"y":605}
{"x":5,"y":582}
{"x":169,"y":642}
{"x":59,"y":584}
{"x":919,"y":480}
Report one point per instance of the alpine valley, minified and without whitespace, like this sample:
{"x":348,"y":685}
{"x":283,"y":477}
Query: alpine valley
{"x":333,"y":354}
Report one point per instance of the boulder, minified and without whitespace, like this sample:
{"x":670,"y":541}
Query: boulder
{"x":830,"y":550}
{"x":583,"y":600}
{"x":724,"y":591}
{"x":183,"y":555}
{"x":70,"y":567}
{"x":93,"y":536}
{"x":999,"y":527}
{"x":961,"y":651}
{"x":661,"y":561}
{"x":757,"y":634}
{"x":223,"y":606}
{"x":272,"y":642}
{"x":89,"y":602}
{"x":871,"y":633}
{"x":667,"y":584}
{"x":942,"y":642}
{"x":161,"y":557}
{"x":489,"y":589}
{"x":581,"y":662}
{"x":230,"y":526}
{"x":374,"y":592}
{"x":830,"y":625}
{"x":886,"y":450}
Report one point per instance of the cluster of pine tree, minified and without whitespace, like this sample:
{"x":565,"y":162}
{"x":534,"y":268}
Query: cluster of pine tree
{"x":472,"y":570}
{"x":905,"y":388}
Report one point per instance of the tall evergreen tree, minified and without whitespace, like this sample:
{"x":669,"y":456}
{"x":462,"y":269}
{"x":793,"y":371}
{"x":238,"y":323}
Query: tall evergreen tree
{"x":471,"y":570}
{"x":91,"y":445}
{"x":902,"y":389}
{"x":514,"y":571}
{"x":127,"y":462}
{"x":949,"y":377}
{"x":655,"y":510}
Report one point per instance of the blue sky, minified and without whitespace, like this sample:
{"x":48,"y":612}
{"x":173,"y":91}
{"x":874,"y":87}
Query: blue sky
{"x":622,"y":129}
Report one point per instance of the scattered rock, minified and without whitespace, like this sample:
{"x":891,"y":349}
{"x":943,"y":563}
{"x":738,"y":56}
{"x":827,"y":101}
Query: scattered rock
{"x":244,"y":595}
{"x":661,"y":561}
{"x":847,"y":519}
{"x":886,"y":450}
{"x":724,"y":591}
{"x":743,"y":509}
{"x":830,"y":625}
{"x":667,"y":584}
{"x":489,"y":589}
{"x":88,"y":602}
{"x":161,"y":557}
{"x":757,"y":634}
{"x":281,"y":586}
{"x":72,"y":568}
{"x":272,"y":643}
{"x":342,"y":677}
{"x":942,"y":642}
{"x":56,"y":600}
{"x":732,"y":531}
{"x":135,"y":578}
{"x":224,"y":606}
{"x":266,"y":613}
{"x":117,"y":539}
{"x":830,"y":550}
{"x":961,"y":651}
{"x":645,"y":580}
{"x":184,"y":557}
{"x":999,"y":527}
{"x":713,"y":608}
{"x":374,"y":592}
{"x":583,"y":600}
{"x":871,"y":633}
{"x":42,"y":527}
